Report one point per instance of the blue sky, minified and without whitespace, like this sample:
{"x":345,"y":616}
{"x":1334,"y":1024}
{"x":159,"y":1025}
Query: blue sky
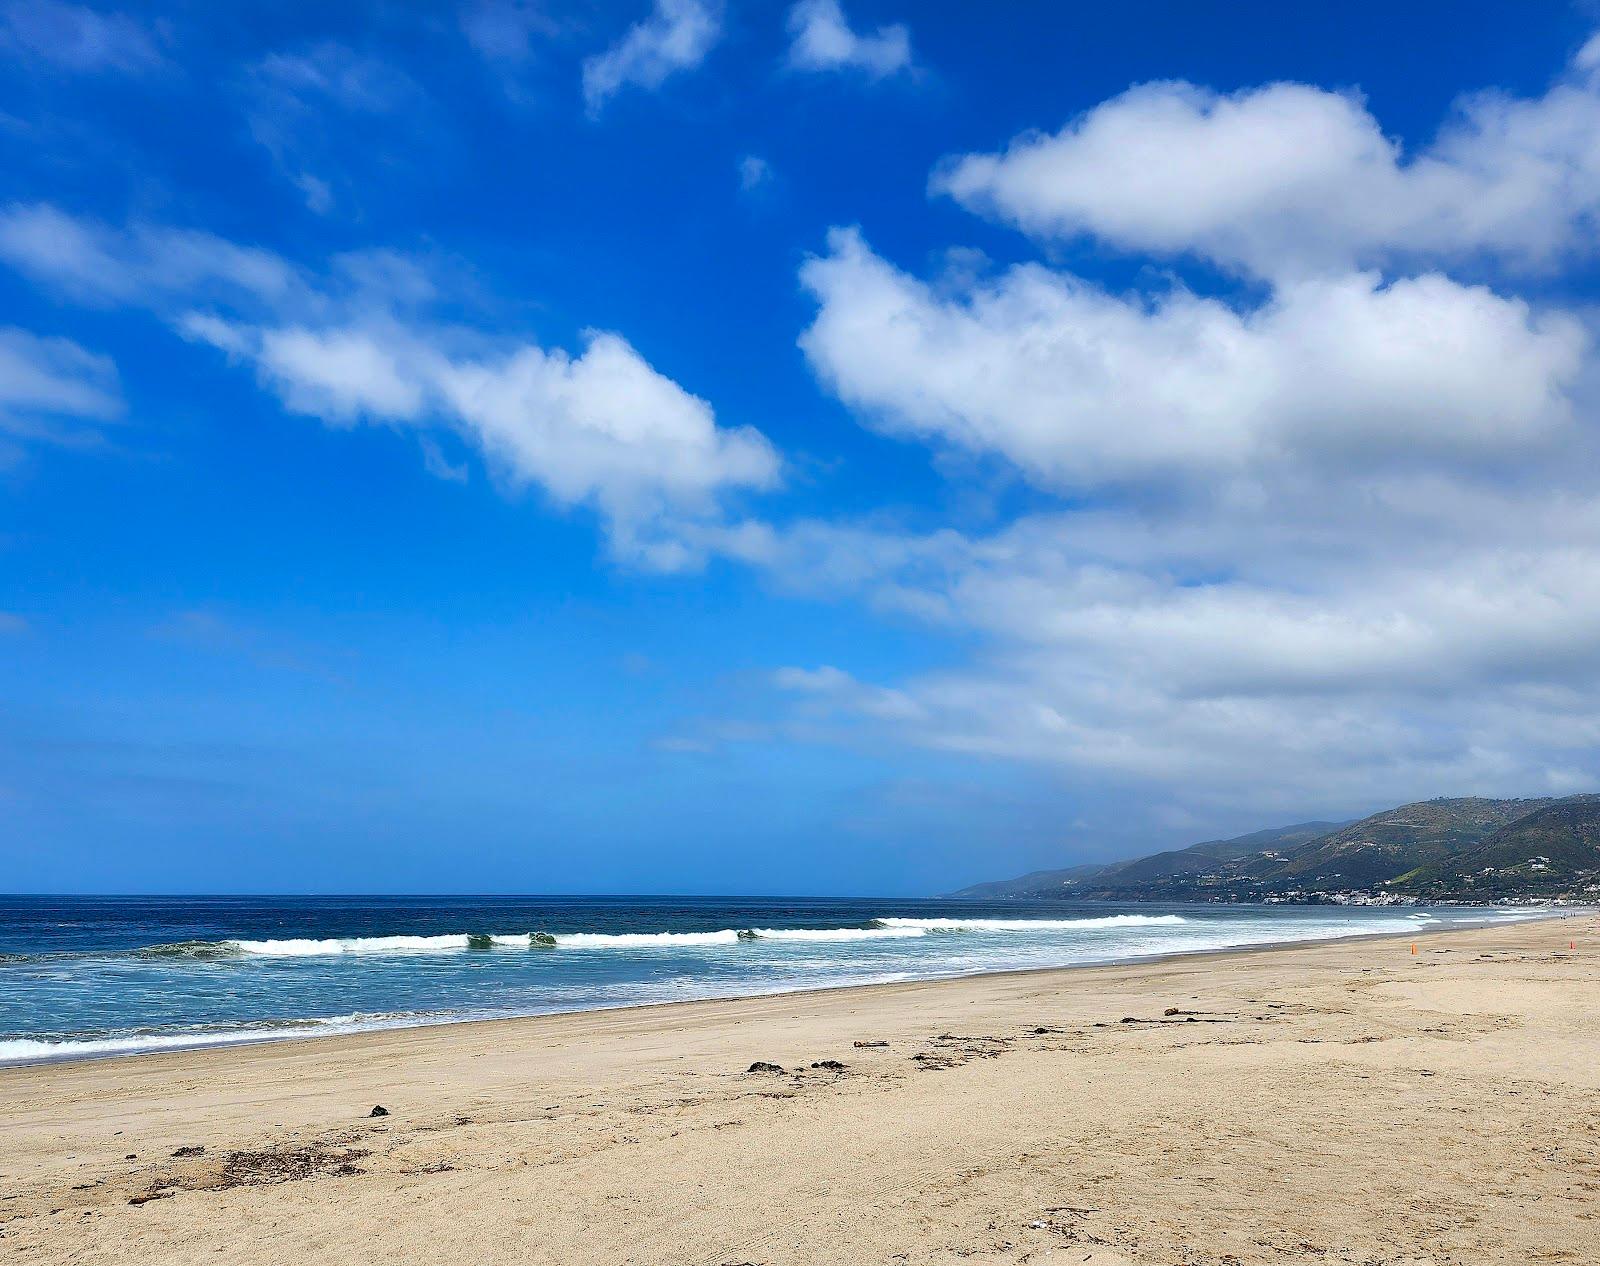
{"x":782,"y":448}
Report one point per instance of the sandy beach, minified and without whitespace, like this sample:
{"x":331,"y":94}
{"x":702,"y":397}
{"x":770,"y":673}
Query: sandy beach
{"x":1348,"y":1102}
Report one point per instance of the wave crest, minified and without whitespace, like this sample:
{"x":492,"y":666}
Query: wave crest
{"x":644,"y":940}
{"x":192,"y":949}
{"x":834,"y":934}
{"x":453,"y":942}
{"x":1036,"y":925}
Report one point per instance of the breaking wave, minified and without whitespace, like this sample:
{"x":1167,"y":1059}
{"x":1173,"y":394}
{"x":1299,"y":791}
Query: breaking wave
{"x":836,"y":934}
{"x":1036,"y":925}
{"x":453,"y":942}
{"x":191,"y":949}
{"x":643,"y":940}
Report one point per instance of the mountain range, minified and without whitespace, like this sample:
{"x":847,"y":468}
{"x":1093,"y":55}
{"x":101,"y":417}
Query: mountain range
{"x":1464,"y":849}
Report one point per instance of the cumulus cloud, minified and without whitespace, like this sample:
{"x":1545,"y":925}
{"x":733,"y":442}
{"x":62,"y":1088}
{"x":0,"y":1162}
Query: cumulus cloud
{"x":675,"y":37}
{"x":602,"y":428}
{"x":1289,"y":178}
{"x":53,"y":389}
{"x":1326,"y":539}
{"x":75,"y":37}
{"x":1077,"y":385}
{"x":821,"y":40}
{"x":358,"y":344}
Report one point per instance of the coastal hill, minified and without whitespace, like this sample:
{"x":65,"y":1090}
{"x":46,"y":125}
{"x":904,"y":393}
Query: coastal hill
{"x":1465,"y":849}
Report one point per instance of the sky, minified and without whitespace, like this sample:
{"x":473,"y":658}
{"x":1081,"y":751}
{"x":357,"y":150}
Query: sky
{"x":834,"y":447}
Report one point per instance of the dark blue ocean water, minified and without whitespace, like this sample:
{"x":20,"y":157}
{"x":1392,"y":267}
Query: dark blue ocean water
{"x":90,"y":976}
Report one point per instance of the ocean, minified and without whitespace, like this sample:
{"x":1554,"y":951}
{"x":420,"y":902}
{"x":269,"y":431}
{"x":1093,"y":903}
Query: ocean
{"x":90,"y":976}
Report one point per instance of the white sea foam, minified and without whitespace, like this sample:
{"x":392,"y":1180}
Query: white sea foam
{"x":837,"y":934}
{"x":1036,"y":925}
{"x":305,"y":948}
{"x":34,"y":1050}
{"x":643,"y":940}
{"x":880,"y":929}
{"x":888,"y":928}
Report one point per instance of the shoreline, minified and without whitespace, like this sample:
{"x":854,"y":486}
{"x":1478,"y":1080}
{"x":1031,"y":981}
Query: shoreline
{"x":1196,"y":1109}
{"x":306,"y":1029}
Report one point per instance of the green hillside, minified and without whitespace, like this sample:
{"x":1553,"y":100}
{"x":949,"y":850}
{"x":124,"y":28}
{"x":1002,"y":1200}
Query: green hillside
{"x":1463,"y":849}
{"x":1555,"y":849}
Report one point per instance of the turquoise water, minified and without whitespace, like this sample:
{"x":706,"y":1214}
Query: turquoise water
{"x":96,"y":976}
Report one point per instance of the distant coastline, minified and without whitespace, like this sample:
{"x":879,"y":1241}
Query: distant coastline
{"x":1465,"y":851}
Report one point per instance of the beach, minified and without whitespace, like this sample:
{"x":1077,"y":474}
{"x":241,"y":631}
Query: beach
{"x":1346,"y":1102}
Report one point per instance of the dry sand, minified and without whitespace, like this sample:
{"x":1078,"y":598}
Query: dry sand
{"x":1345,"y":1103}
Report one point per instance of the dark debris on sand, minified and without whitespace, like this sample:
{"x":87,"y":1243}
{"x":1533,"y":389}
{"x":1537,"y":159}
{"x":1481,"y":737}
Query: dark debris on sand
{"x":258,"y":1169}
{"x":265,"y":1169}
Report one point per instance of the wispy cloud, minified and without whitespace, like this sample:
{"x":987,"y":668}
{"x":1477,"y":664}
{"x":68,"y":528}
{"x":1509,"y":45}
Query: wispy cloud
{"x":77,"y":38}
{"x":508,"y":32}
{"x":754,"y":173}
{"x":298,"y":102}
{"x":213,"y":633}
{"x":53,"y":389}
{"x":142,"y":265}
{"x":676,"y":37}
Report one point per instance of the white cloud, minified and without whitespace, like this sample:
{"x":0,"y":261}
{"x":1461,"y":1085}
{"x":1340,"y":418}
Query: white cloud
{"x":821,"y":40}
{"x":339,"y":374}
{"x":1288,"y":178}
{"x":505,"y":31}
{"x":601,"y":429}
{"x":77,"y":38}
{"x":53,"y":389}
{"x":1273,"y":665}
{"x":824,"y":680}
{"x":513,"y":38}
{"x":1323,"y":541}
{"x":440,"y":466}
{"x":91,"y":263}
{"x":754,"y":172}
{"x":294,"y":100}
{"x":675,"y":37}
{"x":1076,"y":385}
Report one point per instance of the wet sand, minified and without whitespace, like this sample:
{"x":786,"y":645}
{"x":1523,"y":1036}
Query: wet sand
{"x":1335,"y":1103}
